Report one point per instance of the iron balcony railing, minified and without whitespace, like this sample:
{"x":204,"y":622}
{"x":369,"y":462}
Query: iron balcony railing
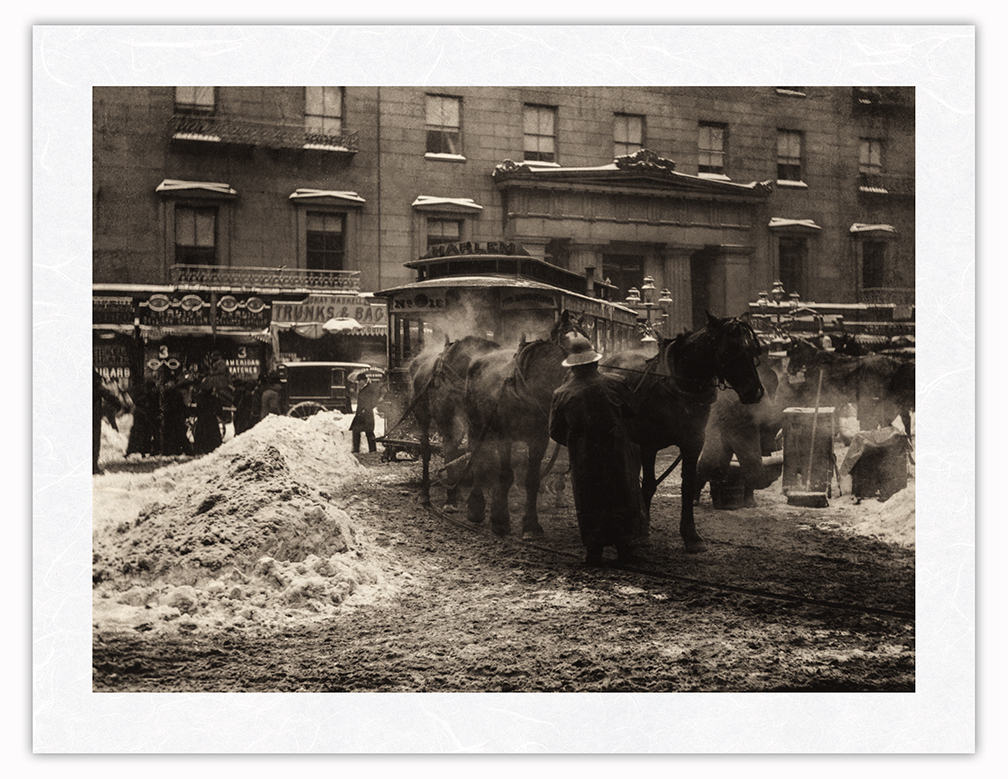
{"x":246,"y":132}
{"x":886,"y":184}
{"x":265,"y":278}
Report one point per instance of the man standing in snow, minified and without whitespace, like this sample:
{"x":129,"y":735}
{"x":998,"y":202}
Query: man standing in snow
{"x":590,"y":416}
{"x":368,"y":396}
{"x":270,"y":401}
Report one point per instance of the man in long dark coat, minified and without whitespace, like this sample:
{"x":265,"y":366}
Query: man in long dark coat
{"x":590,"y":415}
{"x":369,"y":394}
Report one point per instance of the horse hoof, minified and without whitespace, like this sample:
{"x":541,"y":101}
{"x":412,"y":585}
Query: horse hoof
{"x":695,"y":545}
{"x":449,"y":508}
{"x":533,"y":535}
{"x":425,"y":502}
{"x":500,"y":530}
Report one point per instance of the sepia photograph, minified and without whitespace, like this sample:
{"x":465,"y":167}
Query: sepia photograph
{"x":541,"y":385}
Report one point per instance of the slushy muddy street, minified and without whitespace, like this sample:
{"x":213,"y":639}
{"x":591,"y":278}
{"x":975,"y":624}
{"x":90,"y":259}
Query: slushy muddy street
{"x":282,"y":562}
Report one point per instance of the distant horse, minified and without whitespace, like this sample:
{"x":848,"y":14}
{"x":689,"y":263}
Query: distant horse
{"x":676,"y":389}
{"x":745,"y":431}
{"x":508,"y":397}
{"x":437,"y":384}
{"x":880,"y":386}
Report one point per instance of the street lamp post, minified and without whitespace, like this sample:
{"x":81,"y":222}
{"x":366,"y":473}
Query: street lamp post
{"x":656,"y":313}
{"x":783,"y":311}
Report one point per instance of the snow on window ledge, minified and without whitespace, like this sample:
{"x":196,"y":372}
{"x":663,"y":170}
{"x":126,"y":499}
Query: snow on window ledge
{"x":441,"y":156}
{"x":714,"y":176}
{"x":792,"y":184}
{"x":540,"y":164}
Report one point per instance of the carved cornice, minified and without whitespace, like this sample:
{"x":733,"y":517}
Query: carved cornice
{"x":644,"y":159}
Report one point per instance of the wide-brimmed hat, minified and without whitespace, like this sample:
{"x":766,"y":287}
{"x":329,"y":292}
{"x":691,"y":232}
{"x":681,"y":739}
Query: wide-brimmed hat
{"x":581,"y":353}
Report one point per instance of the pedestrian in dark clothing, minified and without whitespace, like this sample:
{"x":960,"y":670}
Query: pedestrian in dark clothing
{"x":146,"y":422}
{"x":174,"y":440}
{"x":590,"y":415}
{"x":218,"y":381}
{"x":207,"y":430}
{"x":270,"y":402}
{"x":100,"y":394}
{"x":369,"y":394}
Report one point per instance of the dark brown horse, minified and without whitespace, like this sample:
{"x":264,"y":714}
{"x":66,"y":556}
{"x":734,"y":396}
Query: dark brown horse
{"x":507,"y":400}
{"x":438,"y":390}
{"x":675,"y":391}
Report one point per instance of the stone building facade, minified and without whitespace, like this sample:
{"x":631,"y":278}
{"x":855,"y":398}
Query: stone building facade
{"x":713,"y":192}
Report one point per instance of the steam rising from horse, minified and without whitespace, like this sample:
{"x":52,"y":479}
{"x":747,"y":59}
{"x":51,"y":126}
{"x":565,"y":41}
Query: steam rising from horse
{"x":675,"y":391}
{"x":438,"y":390}
{"x":507,"y":399}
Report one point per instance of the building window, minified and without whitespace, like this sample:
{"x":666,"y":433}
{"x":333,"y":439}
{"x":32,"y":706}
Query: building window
{"x":711,"y":147}
{"x":441,"y":231}
{"x":195,"y":235}
{"x":444,"y":125}
{"x":791,"y":262}
{"x":324,"y":110}
{"x":325,"y":240}
{"x":871,"y":157}
{"x":628,"y":134}
{"x":540,"y":133}
{"x":789,"y":149}
{"x":873,"y":264}
{"x":194,"y":99}
{"x":623,"y":271}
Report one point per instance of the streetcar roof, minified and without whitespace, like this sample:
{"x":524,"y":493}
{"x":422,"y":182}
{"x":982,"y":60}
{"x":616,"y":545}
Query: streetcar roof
{"x":491,"y":282}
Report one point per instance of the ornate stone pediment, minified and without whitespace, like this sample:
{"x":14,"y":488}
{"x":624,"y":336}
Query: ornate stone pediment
{"x":644,"y":159}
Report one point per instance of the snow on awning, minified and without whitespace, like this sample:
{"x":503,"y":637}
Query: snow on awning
{"x":341,"y":325}
{"x":457,"y":204}
{"x":343,"y":196}
{"x":171,"y":186}
{"x":858,"y":228}
{"x":778,"y":223}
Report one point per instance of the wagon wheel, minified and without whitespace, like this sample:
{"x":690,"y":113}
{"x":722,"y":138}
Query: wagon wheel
{"x":305,"y":409}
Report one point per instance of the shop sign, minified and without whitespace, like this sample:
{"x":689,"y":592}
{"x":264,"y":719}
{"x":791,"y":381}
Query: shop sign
{"x":418,"y":301}
{"x":162,"y":311}
{"x":319,"y":309}
{"x":468,"y":248}
{"x":112,"y":310}
{"x":250,"y":313}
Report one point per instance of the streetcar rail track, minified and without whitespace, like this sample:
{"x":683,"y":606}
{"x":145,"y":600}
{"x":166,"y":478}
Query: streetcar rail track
{"x":666,"y":576}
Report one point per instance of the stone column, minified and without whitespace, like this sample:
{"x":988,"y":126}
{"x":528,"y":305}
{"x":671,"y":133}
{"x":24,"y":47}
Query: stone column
{"x":676,"y":277}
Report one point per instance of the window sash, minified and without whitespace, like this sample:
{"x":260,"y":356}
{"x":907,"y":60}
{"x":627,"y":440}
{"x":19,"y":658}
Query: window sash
{"x":871,"y":156}
{"x":195,"y":235}
{"x":628,"y":133}
{"x":873,"y":264}
{"x":325,"y":245}
{"x":443,"y":125}
{"x":789,"y":155}
{"x":540,"y":138}
{"x":194,"y":98}
{"x":441,"y":231}
{"x":324,"y":110}
{"x":710,"y":145}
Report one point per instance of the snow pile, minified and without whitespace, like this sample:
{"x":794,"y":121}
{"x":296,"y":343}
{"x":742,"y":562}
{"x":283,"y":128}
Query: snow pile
{"x":245,"y":537}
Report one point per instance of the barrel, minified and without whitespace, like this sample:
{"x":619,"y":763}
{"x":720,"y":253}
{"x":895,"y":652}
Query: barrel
{"x":798,"y":449}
